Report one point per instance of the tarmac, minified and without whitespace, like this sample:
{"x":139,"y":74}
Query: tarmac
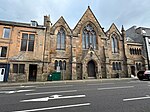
{"x":10,"y":84}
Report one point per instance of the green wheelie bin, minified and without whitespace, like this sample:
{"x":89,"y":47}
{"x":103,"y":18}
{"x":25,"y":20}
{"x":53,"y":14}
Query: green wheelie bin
{"x":54,"y":76}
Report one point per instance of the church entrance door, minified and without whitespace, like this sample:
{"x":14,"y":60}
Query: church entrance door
{"x":91,"y":69}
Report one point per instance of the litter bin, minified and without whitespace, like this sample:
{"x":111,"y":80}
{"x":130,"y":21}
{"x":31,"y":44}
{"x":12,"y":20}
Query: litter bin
{"x":55,"y":76}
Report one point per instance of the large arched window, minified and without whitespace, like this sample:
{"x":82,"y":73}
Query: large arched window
{"x":88,"y":37}
{"x":61,"y":39}
{"x":114,"y":44}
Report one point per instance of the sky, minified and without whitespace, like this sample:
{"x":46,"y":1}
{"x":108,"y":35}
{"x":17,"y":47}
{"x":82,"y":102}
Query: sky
{"x":121,"y":12}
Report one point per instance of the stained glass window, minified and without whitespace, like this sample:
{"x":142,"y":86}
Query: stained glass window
{"x":61,"y":39}
{"x":88,"y":37}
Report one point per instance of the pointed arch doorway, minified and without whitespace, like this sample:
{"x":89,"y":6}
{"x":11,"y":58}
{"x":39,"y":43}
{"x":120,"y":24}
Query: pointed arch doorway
{"x":91,"y":69}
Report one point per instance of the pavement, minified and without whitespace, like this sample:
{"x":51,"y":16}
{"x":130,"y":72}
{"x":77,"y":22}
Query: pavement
{"x":10,"y":84}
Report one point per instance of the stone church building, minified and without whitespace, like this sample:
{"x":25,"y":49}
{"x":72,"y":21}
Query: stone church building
{"x":86,"y":51}
{"x":32,"y":52}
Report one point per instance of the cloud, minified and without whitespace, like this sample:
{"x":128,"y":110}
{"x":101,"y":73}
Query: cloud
{"x":120,"y":12}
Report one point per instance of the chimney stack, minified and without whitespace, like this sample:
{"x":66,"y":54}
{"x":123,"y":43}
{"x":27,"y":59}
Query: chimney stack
{"x":47,"y":22}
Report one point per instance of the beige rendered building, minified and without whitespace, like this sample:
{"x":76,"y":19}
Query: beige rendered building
{"x":22,"y":48}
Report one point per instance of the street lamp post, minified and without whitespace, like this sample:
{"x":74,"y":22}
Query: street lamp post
{"x":63,"y":70}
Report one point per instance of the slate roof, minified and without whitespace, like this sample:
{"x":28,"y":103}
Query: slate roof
{"x":19,"y":24}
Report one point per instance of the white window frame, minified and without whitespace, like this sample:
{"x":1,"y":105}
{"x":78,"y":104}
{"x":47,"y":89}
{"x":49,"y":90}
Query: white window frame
{"x":1,"y":51}
{"x":4,"y":32}
{"x":149,"y":41}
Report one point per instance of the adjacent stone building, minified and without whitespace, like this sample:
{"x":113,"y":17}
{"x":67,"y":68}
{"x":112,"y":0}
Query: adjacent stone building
{"x":135,"y":59}
{"x":30,"y":52}
{"x":22,"y":49}
{"x":140,"y":51}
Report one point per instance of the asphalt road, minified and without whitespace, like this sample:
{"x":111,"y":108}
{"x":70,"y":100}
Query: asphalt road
{"x":91,"y":96}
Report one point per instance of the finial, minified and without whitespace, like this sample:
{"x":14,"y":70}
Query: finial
{"x":122,"y":28}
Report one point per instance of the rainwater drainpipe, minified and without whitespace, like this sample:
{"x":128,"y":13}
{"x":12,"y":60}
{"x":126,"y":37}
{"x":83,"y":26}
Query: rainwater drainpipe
{"x":8,"y":53}
{"x":71,"y":53}
{"x":44,"y":48}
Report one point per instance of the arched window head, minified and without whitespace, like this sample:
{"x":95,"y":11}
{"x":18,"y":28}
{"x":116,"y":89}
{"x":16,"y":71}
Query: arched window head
{"x":134,"y":51}
{"x":120,"y":68}
{"x":114,"y":44}
{"x":137,"y":66}
{"x":130,"y":51}
{"x":117,"y":65}
{"x":114,"y":66}
{"x":137,"y":51}
{"x":140,"y":66}
{"x":140,"y":52}
{"x":88,"y":37}
{"x":61,"y":39}
{"x":64,"y":65}
{"x":60,"y":64}
{"x":56,"y":64}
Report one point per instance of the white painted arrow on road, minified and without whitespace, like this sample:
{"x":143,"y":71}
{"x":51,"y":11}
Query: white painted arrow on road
{"x":53,"y":97}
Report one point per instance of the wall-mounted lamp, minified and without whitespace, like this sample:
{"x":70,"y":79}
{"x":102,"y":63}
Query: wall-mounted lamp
{"x":91,"y":54}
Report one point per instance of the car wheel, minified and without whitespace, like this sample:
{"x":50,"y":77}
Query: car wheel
{"x":148,"y":77}
{"x":140,"y":78}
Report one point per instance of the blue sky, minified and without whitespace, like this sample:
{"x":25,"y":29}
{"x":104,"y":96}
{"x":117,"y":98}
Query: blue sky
{"x":120,"y":12}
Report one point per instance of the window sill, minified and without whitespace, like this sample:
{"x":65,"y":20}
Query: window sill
{"x":88,"y":49}
{"x":5,"y":38}
{"x":3,"y":57}
{"x":27,"y":51}
{"x":18,"y":73}
{"x":115,"y":53}
{"x":117,"y":70}
{"x":60,"y":50}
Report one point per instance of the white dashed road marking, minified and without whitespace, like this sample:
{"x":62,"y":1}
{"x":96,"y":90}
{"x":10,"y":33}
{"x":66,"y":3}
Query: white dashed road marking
{"x":52,"y":108}
{"x":53,"y":92}
{"x":111,"y":88}
{"x":138,"y":98}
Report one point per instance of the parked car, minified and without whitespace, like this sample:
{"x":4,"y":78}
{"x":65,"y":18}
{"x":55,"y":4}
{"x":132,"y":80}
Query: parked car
{"x":144,"y":75}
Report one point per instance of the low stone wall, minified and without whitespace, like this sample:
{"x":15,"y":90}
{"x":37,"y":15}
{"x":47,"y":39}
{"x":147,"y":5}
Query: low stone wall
{"x":17,"y":78}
